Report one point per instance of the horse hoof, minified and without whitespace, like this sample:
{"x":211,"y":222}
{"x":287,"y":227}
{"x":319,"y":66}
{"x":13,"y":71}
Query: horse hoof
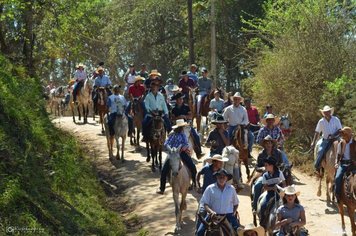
{"x":318,"y":193}
{"x":102,"y":131}
{"x":153,"y":169}
{"x":122,"y":160}
{"x":148,"y":159}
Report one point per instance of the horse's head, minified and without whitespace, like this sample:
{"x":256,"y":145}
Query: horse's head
{"x":174,"y":159}
{"x":231,"y":153}
{"x":214,"y":226}
{"x":136,"y":106}
{"x":285,"y":122}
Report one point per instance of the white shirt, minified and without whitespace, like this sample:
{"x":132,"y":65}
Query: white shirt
{"x":222,"y":202}
{"x":157,"y":102}
{"x":80,"y":75}
{"x":236,"y":115}
{"x":116,"y":103}
{"x":328,"y":128}
{"x":131,"y":78}
{"x":346,"y":155}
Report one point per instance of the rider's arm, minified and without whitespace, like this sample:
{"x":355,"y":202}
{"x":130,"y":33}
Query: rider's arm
{"x":302,"y":220}
{"x":280,"y":221}
{"x":209,"y":210}
{"x":316,"y":137}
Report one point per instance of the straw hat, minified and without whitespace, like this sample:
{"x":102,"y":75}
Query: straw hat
{"x":237,"y":95}
{"x":271,"y":116}
{"x":327,"y":108}
{"x":217,"y":157}
{"x":155,"y":73}
{"x":80,"y":65}
{"x":289,"y":190}
{"x":139,"y":78}
{"x":180,"y":123}
{"x":346,"y":131}
{"x":259,"y":230}
{"x":176,"y":89}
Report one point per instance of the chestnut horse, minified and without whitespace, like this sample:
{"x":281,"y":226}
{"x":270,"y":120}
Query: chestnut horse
{"x":83,"y":99}
{"x":240,"y":142}
{"x":348,"y":198}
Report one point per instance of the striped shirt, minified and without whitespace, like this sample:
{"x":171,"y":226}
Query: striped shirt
{"x":328,"y":127}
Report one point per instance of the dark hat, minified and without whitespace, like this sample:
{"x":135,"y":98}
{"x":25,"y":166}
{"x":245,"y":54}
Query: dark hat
{"x":223,"y":172}
{"x":184,"y":73}
{"x":270,"y":160}
{"x":178,"y":95}
{"x":219,"y":119}
{"x":101,"y":63}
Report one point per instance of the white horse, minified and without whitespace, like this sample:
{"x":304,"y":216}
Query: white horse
{"x":232,"y":165}
{"x":187,"y":132}
{"x":121,"y":128}
{"x":179,"y":180}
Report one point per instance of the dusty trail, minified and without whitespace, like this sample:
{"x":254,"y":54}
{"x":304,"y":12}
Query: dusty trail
{"x":157,"y":211}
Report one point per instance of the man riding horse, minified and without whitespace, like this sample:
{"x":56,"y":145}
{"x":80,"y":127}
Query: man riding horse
{"x":155,"y":102}
{"x":329,"y":126}
{"x":186,"y":83}
{"x":115,"y":103}
{"x":346,"y":158}
{"x":204,"y":86}
{"x":182,"y":111}
{"x":219,"y":135}
{"x":79,"y":76}
{"x":101,"y":80}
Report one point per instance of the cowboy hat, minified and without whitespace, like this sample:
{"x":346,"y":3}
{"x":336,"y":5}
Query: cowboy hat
{"x":180,"y":123}
{"x":116,"y":87}
{"x":216,"y":91}
{"x":176,"y":89}
{"x":219,"y":120}
{"x":223,"y":172}
{"x":80,"y":65}
{"x":259,"y":230}
{"x":138,"y":78}
{"x":289,"y":190}
{"x":100,"y":68}
{"x":267,"y":139}
{"x":347,"y":131}
{"x":218,"y":157}
{"x":178,"y":95}
{"x":157,"y":82}
{"x":204,"y":69}
{"x":327,"y":108}
{"x":193,"y":65}
{"x":237,"y":95}
{"x":154,"y":72}
{"x":271,"y":116}
{"x":169,"y":81}
{"x":131,"y":65}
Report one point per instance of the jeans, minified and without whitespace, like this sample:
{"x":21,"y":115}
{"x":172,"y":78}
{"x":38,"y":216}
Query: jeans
{"x":111,"y":123}
{"x":323,"y":148}
{"x":203,"y":213}
{"x":187,"y":160}
{"x":196,"y":139}
{"x":77,"y":86}
{"x":257,"y":191}
{"x":338,"y":178}
{"x":147,"y":120}
{"x":250,"y":137}
{"x":230,"y":217}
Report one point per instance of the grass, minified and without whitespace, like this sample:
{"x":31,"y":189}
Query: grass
{"x":46,"y":182}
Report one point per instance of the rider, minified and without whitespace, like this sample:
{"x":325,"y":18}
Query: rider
{"x":253,"y":115}
{"x":182,"y":111}
{"x":115,"y":104}
{"x":269,"y":150}
{"x":272,"y":177}
{"x":346,"y":158}
{"x":79,"y":77}
{"x":152,"y":76}
{"x":136,"y":91}
{"x":220,"y":198}
{"x":269,"y":110}
{"x":193,"y":73}
{"x":176,"y":139}
{"x":185,"y":83}
{"x":329,"y":126}
{"x":217,"y":104}
{"x":101,"y":80}
{"x":219,"y":135}
{"x":204,"y":87}
{"x":154,"y":102}
{"x":143,"y":72}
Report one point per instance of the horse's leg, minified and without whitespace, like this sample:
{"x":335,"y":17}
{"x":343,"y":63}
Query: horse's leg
{"x":183,"y":205}
{"x":117,"y":138}
{"x":148,"y":152}
{"x":177,"y":210}
{"x":154,"y":156}
{"x":247,"y":169}
{"x":138,"y":137}
{"x":319,"y":187}
{"x":351,"y":211}
{"x":86,"y":107}
{"x":72,"y":109}
{"x":341,"y":212}
{"x":198,"y":122}
{"x":79,"y":113}
{"x":327,"y":181}
{"x":160,"y":158}
{"x":110,"y":145}
{"x":123,"y":148}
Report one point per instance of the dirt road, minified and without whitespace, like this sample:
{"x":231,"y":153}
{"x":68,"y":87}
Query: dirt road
{"x":156,"y":212}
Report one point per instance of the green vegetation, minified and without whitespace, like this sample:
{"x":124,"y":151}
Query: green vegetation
{"x":47,"y":185}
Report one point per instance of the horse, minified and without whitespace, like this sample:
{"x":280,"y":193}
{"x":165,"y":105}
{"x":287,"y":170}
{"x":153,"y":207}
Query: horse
{"x":187,"y":132}
{"x":232,"y":165}
{"x":192,"y":98}
{"x":56,"y":95}
{"x":101,"y":106}
{"x":327,"y":167}
{"x":137,"y":111}
{"x":217,"y":226}
{"x":83,"y":99}
{"x":348,"y":198}
{"x":121,"y":128}
{"x":155,"y":140}
{"x":240,"y":142}
{"x":179,"y":180}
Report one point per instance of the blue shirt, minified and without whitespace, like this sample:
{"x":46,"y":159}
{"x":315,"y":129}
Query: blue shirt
{"x":176,"y":139}
{"x":157,"y":102}
{"x":102,"y":81}
{"x":217,"y":104}
{"x":275,"y":133}
{"x":220,"y":201}
{"x":209,"y":178}
{"x":116,"y":103}
{"x":193,"y":76}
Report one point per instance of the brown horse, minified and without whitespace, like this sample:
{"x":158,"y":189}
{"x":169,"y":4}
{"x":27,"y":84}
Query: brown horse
{"x":155,"y":140}
{"x":137,"y":112}
{"x":217,"y":226}
{"x":348,"y":198}
{"x":240,"y":142}
{"x":327,"y":167}
{"x":101,"y":106}
{"x":83,"y":99}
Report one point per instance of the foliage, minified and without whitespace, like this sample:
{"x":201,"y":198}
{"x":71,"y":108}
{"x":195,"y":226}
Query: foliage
{"x":306,"y":44}
{"x":46,"y":183}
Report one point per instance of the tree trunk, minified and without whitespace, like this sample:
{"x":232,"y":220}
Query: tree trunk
{"x":29,"y":38}
{"x":213,"y":44}
{"x":190,"y":32}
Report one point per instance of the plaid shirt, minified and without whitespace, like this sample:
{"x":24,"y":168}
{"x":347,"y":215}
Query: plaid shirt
{"x":176,"y":139}
{"x":276,"y":133}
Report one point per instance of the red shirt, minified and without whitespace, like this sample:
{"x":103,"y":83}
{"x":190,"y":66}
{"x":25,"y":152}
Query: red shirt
{"x":252,"y":114}
{"x":136,"y":91}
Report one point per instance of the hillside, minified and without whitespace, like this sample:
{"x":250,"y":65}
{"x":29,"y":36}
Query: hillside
{"x":47,"y":185}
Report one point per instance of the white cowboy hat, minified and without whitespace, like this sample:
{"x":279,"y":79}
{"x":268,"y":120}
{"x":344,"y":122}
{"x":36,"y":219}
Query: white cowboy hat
{"x":176,"y":89}
{"x":327,"y":108}
{"x":217,"y":157}
{"x":237,"y":95}
{"x":137,"y":78}
{"x":154,"y":72}
{"x":259,"y":230}
{"x":289,"y":190}
{"x":180,"y":123}
{"x":268,"y":138}
{"x":271,"y":116}
{"x":80,"y":65}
